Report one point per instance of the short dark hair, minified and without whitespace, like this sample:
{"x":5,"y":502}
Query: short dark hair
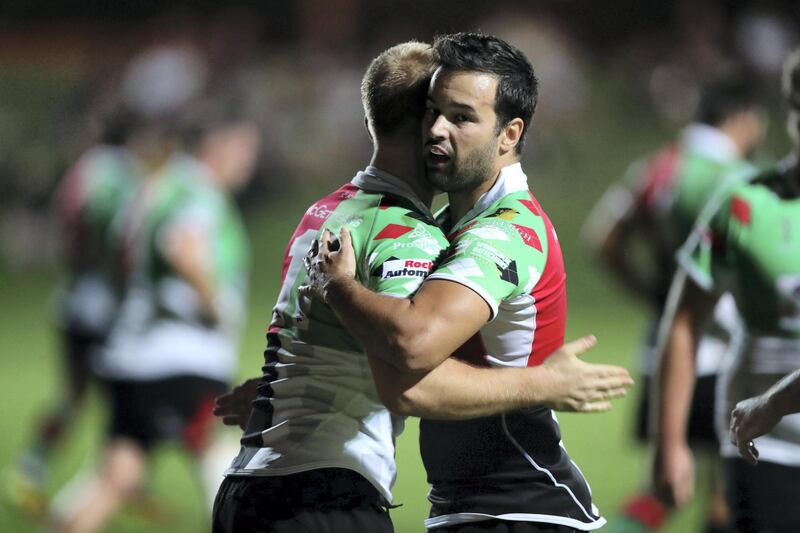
{"x":724,"y":97}
{"x":395,"y":84}
{"x":517,"y":88}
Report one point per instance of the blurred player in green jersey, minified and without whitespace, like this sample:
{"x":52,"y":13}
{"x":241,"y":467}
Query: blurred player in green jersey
{"x":173,"y":345}
{"x":746,"y":241}
{"x":636,"y":229}
{"x":88,"y":199}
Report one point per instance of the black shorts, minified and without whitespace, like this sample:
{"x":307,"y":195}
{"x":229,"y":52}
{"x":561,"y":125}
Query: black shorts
{"x":701,"y":429}
{"x":504,"y":526}
{"x":762,"y":498}
{"x":79,"y":350}
{"x":330,"y":500}
{"x":173,"y":409}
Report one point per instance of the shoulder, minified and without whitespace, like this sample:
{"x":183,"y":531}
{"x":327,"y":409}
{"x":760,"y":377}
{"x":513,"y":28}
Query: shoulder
{"x":515,"y":221}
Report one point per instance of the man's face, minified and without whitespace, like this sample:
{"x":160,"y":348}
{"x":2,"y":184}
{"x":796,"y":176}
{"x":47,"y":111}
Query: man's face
{"x":459,"y":130}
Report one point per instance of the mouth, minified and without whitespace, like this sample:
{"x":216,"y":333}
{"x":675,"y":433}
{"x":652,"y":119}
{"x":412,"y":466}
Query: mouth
{"x":436,"y":156}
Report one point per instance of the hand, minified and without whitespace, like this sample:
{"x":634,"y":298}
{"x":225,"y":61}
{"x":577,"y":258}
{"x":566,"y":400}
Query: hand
{"x":328,"y":262}
{"x":751,"y":418}
{"x":580,"y":386}
{"x":234,"y":407}
{"x":673,"y":474}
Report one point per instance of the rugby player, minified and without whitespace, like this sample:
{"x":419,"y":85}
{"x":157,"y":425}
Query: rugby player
{"x":746,"y":241}
{"x":652,"y":211}
{"x":172,"y":348}
{"x":96,"y":187}
{"x":497,"y":299}
{"x":318,"y":448}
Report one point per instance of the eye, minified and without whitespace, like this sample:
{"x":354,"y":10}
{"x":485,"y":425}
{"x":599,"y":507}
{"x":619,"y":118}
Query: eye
{"x":461,"y":117}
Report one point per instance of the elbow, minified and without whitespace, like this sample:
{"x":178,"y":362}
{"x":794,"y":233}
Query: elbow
{"x":411,"y":353}
{"x":403,"y":403}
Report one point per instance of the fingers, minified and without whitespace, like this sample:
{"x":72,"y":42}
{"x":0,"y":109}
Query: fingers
{"x":233,"y":421}
{"x":748,"y":451}
{"x":594,"y":407}
{"x":305,"y":291}
{"x":345,"y":241}
{"x":613,"y":371}
{"x":224,"y":399}
{"x":581,"y":345}
{"x":325,"y":243}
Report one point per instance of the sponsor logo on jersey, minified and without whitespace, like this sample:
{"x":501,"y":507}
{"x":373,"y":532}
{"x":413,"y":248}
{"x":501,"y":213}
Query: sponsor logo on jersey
{"x":529,"y":237}
{"x":489,"y":233}
{"x":421,"y":239}
{"x":491,"y":254}
{"x":320,"y":211}
{"x":405,"y":268}
{"x":323,"y":212}
{"x":505,"y":213}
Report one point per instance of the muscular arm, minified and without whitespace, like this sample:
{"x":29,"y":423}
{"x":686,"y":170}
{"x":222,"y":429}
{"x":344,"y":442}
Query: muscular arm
{"x":409,"y":343}
{"x":415,"y":334}
{"x":457,"y":390}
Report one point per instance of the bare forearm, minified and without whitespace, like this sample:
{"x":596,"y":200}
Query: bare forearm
{"x":675,"y":382}
{"x":383,"y":325}
{"x":457,"y":390}
{"x":784,"y":396}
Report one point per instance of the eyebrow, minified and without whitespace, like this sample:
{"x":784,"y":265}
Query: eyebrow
{"x":459,"y":105}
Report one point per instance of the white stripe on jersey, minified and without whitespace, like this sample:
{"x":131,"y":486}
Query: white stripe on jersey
{"x":463,"y":518}
{"x":546,"y":471}
{"x":512,"y":333}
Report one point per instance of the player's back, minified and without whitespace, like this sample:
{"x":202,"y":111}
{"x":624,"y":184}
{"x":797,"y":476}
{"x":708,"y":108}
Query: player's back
{"x":318,"y":407}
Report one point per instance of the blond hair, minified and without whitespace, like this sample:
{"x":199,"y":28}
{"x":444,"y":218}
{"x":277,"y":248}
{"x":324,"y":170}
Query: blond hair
{"x":393,"y":88}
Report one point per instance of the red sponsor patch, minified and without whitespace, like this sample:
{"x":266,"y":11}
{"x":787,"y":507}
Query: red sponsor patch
{"x":740,"y":210}
{"x":531,"y":206}
{"x":392,"y":231}
{"x":529,"y":237}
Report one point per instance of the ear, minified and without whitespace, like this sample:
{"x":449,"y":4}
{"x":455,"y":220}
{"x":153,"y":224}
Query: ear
{"x":366,"y":127}
{"x":511,"y":134}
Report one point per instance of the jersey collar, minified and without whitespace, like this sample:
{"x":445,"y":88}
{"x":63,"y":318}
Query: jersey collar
{"x":511,"y":179}
{"x":709,"y":142}
{"x":373,"y":179}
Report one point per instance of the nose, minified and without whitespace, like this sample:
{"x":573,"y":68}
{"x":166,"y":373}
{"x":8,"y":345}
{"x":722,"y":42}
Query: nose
{"x":438,"y":128}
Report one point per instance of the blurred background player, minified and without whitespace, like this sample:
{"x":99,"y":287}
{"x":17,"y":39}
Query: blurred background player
{"x":640,"y":223}
{"x":88,"y":199}
{"x":173,"y":346}
{"x":747,"y":241}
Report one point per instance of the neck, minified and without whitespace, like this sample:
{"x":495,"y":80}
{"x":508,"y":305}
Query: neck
{"x":461,"y":202}
{"x":403,"y":160}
